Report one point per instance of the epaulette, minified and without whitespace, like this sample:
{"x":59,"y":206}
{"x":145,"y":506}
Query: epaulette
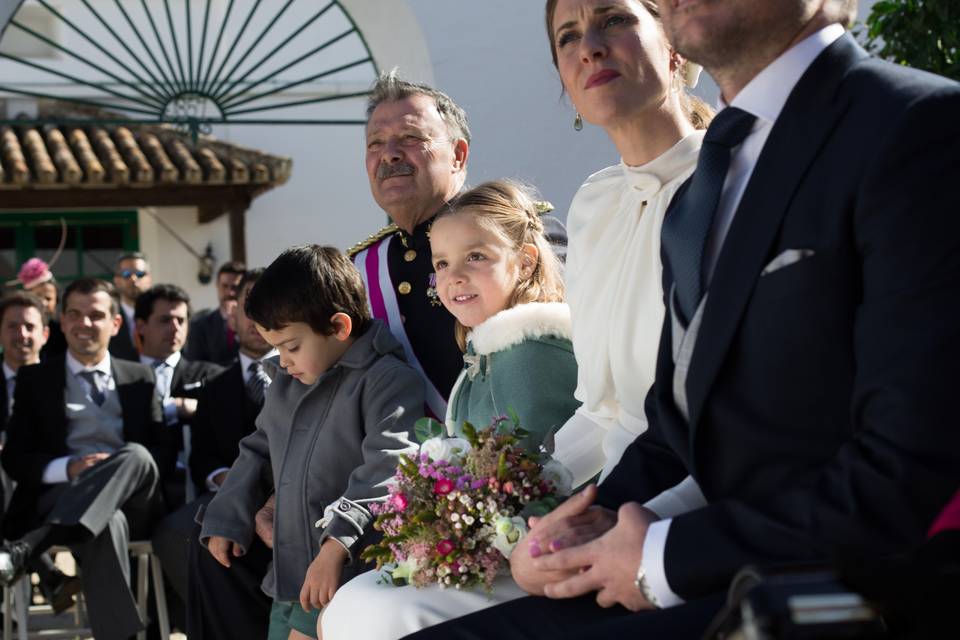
{"x":372,"y":239}
{"x":544,"y":207}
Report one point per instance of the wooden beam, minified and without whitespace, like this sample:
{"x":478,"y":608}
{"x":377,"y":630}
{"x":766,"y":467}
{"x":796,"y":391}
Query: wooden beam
{"x":238,"y":241}
{"x":213,"y":198}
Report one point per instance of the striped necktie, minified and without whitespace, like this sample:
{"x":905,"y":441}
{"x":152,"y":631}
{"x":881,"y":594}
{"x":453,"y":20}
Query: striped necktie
{"x":257,"y":383}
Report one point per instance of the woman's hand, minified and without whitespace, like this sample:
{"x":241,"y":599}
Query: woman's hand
{"x":575,"y":522}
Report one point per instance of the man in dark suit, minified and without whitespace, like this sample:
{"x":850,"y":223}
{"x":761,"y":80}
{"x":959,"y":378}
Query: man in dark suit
{"x":162,"y":315}
{"x":23,"y":334}
{"x":211,"y":336}
{"x":804,"y":376}
{"x":87,"y":448}
{"x":222,"y":602}
{"x":131,"y":276}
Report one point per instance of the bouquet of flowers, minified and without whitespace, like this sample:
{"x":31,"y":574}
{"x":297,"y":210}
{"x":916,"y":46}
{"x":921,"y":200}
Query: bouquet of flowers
{"x":457,"y":508}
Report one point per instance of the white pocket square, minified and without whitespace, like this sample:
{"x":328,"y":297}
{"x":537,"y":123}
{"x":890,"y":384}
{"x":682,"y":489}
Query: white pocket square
{"x":786,"y":259}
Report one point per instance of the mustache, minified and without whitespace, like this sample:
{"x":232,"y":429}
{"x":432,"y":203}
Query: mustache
{"x":385,"y":171}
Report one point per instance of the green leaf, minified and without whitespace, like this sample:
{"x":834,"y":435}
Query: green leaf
{"x":513,"y":416}
{"x":426,"y":428}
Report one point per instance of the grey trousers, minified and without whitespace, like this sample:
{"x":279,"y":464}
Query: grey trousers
{"x":103,"y":508}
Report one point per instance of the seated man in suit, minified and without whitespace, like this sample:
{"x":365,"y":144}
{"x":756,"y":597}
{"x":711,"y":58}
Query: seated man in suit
{"x":87,"y":448}
{"x":23,"y":334}
{"x":805,"y":386}
{"x":211,"y":336}
{"x":131,"y":277}
{"x":162,"y":315}
{"x":221,"y":598}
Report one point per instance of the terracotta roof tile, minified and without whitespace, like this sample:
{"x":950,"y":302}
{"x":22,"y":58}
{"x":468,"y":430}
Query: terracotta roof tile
{"x":57,"y":156}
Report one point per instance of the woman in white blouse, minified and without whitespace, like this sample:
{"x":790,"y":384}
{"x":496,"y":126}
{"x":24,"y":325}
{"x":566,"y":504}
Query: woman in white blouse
{"x":620,"y":73}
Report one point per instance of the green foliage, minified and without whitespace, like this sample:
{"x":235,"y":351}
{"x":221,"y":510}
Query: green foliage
{"x":426,"y":428}
{"x":924,"y":34}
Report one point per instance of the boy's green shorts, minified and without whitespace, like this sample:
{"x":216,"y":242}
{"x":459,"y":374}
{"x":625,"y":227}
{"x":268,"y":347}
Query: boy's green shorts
{"x":285,"y":616}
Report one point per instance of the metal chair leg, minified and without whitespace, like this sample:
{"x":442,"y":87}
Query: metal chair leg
{"x":143,"y":565}
{"x":160,"y":594}
{"x":22,"y":601}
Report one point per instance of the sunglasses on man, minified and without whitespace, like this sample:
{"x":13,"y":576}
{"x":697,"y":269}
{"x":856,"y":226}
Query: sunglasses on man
{"x":129,"y":273}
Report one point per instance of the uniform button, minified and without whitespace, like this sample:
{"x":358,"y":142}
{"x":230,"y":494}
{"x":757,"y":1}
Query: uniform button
{"x":410,"y":255}
{"x":404,"y":288}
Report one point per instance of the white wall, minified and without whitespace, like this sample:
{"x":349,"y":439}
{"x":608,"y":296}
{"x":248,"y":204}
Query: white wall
{"x":170,"y":262}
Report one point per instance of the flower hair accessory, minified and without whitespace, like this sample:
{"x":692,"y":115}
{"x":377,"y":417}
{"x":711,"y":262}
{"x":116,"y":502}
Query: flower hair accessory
{"x":34,"y":272}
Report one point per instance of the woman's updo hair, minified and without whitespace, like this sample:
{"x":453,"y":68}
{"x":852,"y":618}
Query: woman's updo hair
{"x":510,"y":210}
{"x":696,"y":110}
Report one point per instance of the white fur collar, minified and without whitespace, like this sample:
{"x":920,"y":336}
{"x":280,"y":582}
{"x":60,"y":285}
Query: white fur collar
{"x":522,"y":322}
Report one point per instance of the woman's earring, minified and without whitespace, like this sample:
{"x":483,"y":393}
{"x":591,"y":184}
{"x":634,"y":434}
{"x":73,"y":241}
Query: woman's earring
{"x":578,"y":123}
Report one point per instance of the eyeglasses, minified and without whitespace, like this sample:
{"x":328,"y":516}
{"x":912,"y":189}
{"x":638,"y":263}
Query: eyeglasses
{"x":129,"y":273}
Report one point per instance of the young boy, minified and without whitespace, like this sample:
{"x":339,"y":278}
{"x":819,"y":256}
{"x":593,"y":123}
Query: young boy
{"x":336,"y":417}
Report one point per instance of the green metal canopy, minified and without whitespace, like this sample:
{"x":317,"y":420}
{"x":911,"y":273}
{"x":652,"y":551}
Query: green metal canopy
{"x":192,"y":63}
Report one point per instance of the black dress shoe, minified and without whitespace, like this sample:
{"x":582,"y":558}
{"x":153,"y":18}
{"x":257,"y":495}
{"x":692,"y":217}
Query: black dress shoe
{"x":58,"y":590}
{"x":13,"y":561}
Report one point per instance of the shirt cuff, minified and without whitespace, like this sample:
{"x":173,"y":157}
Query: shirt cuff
{"x":213,"y":486}
{"x":653,"y":564}
{"x":169,"y":411}
{"x":678,"y":499}
{"x":56,"y":471}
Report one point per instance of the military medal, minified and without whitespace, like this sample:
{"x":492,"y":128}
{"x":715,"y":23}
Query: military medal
{"x":432,"y":290}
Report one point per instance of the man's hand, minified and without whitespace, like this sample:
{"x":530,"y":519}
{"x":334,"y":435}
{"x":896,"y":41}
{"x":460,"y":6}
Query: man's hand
{"x":323,"y":576}
{"x":223,"y":549}
{"x":264,"y":521}
{"x":574,"y":522}
{"x":610,"y":562}
{"x":186,"y":407}
{"x":79,"y":464}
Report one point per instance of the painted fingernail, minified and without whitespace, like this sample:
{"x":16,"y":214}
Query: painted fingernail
{"x":535,"y":551}
{"x":556,"y":545}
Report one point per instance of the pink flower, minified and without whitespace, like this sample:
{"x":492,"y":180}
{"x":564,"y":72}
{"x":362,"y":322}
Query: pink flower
{"x":399,"y":502}
{"x":445,"y":547}
{"x":508,"y":487}
{"x":442,"y":487}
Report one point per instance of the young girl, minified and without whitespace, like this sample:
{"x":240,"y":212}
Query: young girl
{"x":498,"y":276}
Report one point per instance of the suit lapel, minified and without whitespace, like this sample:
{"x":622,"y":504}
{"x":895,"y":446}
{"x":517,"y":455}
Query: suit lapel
{"x":792,"y":146}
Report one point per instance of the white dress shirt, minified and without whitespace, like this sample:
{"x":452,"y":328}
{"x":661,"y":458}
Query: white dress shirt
{"x":613,"y":278}
{"x":164,"y":375}
{"x":10,"y":381}
{"x":56,"y":470}
{"x":128,"y":317}
{"x":764,"y":96}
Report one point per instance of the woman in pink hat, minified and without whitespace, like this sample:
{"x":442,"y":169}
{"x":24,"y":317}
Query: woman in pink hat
{"x":35,"y":276}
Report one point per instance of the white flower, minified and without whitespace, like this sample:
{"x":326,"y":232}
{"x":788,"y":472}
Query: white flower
{"x":446,"y":449}
{"x":405,"y":569}
{"x":509,"y":532}
{"x":559,"y":476}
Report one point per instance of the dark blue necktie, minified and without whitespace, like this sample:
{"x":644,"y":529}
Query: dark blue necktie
{"x":97,"y":386}
{"x":685,"y":230}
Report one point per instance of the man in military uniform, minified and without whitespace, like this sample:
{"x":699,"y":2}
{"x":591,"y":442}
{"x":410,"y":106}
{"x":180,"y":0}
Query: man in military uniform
{"x":418,"y":142}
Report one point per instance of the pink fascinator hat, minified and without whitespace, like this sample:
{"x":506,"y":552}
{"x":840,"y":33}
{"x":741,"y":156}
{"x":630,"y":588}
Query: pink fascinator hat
{"x":34,"y":272}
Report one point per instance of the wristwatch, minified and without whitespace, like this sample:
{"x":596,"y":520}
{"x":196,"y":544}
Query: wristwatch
{"x":644,"y":587}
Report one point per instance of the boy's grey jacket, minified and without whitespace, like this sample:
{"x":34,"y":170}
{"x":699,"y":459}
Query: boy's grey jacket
{"x":335,"y":442}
